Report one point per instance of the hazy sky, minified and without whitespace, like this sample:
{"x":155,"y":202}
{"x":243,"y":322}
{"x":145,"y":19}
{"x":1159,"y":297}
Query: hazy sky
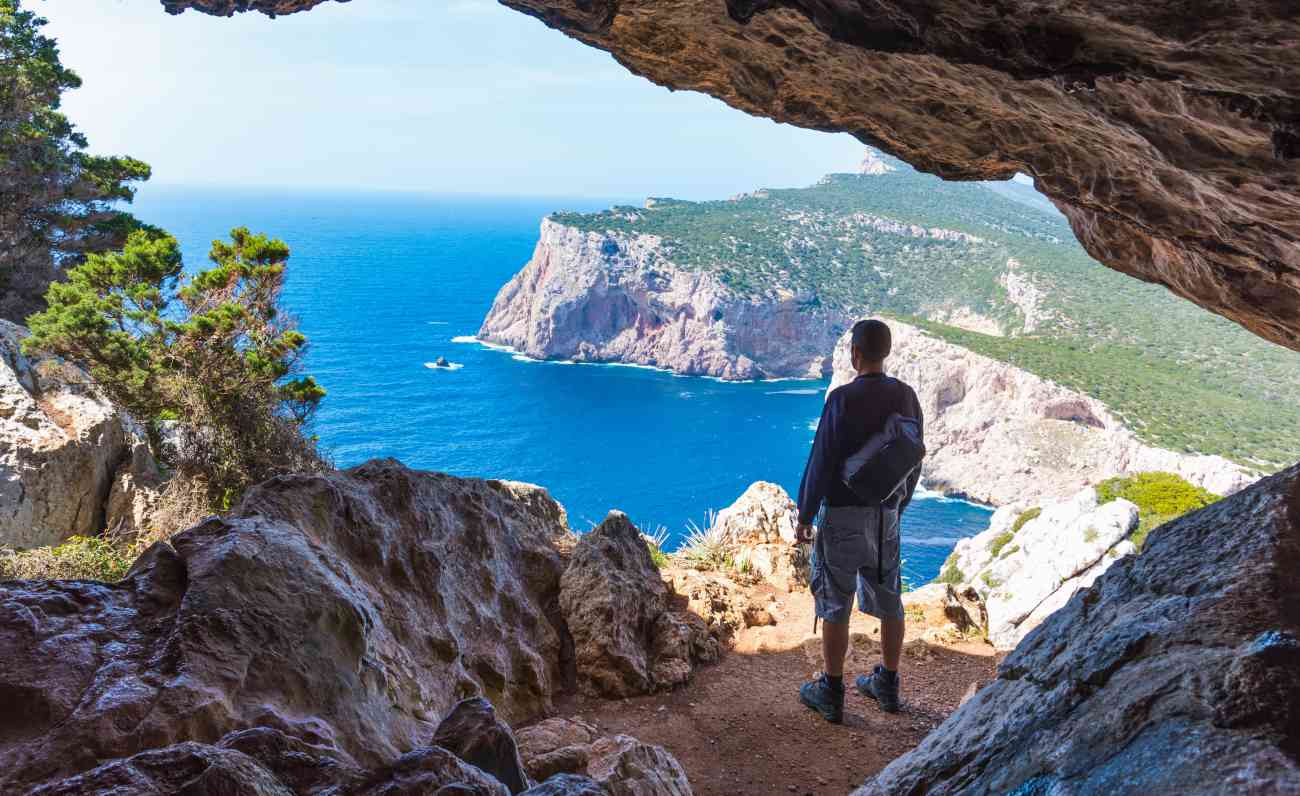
{"x":445,"y":96}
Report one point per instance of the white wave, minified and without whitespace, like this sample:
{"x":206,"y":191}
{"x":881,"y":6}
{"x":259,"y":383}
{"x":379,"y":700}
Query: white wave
{"x":807,"y":391}
{"x":464,"y":338}
{"x":930,"y":541}
{"x":437,"y":323}
{"x":923,"y":493}
{"x":449,"y":366}
{"x":686,"y":394}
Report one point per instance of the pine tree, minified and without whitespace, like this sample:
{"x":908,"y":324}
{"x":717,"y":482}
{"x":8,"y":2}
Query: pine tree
{"x":57,"y":203}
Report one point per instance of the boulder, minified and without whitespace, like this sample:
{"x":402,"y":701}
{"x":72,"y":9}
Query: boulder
{"x":761,"y":527}
{"x":473,"y":733}
{"x":348,"y":611}
{"x":626,"y":767}
{"x":943,"y":605}
{"x":1024,"y":574}
{"x":616,"y":606}
{"x":61,"y":446}
{"x":1175,"y":672}
{"x":181,"y":768}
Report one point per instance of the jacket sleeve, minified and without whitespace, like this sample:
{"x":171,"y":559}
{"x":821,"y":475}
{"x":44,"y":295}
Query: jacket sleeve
{"x":818,"y":473}
{"x":915,"y":478}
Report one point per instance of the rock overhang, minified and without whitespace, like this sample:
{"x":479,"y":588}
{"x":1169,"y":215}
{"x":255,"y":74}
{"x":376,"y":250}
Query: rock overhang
{"x":1169,"y":136}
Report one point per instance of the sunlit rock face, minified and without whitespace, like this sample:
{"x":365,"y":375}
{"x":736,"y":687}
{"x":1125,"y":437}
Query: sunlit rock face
{"x":1170,"y":137}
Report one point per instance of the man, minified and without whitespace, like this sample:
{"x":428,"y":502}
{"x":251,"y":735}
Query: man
{"x":846,"y":552}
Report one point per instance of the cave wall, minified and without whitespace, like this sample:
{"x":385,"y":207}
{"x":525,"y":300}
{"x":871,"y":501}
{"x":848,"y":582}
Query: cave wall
{"x":1167,"y":131}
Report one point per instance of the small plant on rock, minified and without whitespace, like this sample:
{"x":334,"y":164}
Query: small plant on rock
{"x":1025,"y":517}
{"x":655,"y":539}
{"x":707,"y":546}
{"x":1000,"y":541}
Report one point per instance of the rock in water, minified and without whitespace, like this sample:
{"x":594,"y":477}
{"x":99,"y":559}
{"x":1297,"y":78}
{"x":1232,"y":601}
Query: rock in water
{"x":618,"y":297}
{"x":441,"y":362}
{"x":1176,"y":672}
{"x":1000,"y":434}
{"x":349,"y":611}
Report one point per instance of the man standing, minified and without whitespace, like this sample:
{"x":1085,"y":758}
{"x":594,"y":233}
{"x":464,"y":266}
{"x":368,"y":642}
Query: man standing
{"x":857,"y":545}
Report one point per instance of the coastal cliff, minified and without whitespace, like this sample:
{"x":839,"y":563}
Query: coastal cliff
{"x":616,"y":297}
{"x":999,"y":434}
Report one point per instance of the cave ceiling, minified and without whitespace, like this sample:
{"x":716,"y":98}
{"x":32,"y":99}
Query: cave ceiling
{"x":1167,"y":131}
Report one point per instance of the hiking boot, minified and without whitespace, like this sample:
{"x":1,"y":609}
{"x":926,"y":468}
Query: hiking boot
{"x":882,"y":686}
{"x":824,"y":698}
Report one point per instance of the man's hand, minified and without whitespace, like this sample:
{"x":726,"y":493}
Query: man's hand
{"x":803,"y":534}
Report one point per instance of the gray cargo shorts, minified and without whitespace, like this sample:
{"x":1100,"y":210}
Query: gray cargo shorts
{"x":847,"y":557}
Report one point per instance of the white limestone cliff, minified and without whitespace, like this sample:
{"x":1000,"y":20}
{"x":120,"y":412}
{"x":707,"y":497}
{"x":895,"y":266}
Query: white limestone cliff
{"x":612,"y":297}
{"x":998,"y":434}
{"x":64,"y":450}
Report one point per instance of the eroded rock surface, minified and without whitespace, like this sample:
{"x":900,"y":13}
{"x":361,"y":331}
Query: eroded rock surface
{"x":1176,"y":672}
{"x":615,"y":297}
{"x":620,"y":765}
{"x":627,"y":639}
{"x":347,"y":611}
{"x":1000,"y":434}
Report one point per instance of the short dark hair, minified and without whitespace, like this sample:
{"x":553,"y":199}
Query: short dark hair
{"x":873,"y":339}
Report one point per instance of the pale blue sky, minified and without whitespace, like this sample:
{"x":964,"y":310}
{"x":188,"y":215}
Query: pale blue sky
{"x":445,"y":96}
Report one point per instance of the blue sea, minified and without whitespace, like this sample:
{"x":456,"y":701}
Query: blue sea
{"x":384,"y":284}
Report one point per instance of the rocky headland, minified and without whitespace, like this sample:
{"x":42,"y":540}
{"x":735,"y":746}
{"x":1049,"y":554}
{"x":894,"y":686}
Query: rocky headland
{"x":997,"y":434}
{"x":615,"y":297}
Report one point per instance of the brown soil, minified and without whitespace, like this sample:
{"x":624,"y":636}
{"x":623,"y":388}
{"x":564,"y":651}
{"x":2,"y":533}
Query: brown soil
{"x":738,"y":726}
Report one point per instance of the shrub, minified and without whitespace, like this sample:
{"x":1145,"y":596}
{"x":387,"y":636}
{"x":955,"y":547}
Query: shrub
{"x":707,"y":546}
{"x":79,"y":558}
{"x":213,"y":350}
{"x":1015,"y":548}
{"x":990,"y":581}
{"x":1000,"y":541}
{"x":1025,"y":516}
{"x":951,"y":574}
{"x":655,"y":540}
{"x":1159,"y":497}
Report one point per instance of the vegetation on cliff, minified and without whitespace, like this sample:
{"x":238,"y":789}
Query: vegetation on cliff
{"x":939,"y":254}
{"x":213,"y":350}
{"x":57,"y":202}
{"x":1160,"y":498}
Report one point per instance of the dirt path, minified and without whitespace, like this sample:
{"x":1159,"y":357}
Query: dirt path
{"x":738,"y":727}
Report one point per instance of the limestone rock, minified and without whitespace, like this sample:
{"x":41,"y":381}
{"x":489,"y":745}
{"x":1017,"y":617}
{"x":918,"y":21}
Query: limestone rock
{"x":627,"y":640}
{"x":940,"y":605}
{"x":999,"y":434}
{"x":349,"y":611}
{"x":626,"y":767}
{"x":61,"y":445}
{"x":1024,"y":577}
{"x":615,"y":297}
{"x":1175,"y":672}
{"x":185,"y":767}
{"x":555,"y":746}
{"x":472,"y":732}
{"x":761,"y":527}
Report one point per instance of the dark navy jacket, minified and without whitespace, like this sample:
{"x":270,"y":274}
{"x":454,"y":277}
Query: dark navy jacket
{"x":852,"y":413}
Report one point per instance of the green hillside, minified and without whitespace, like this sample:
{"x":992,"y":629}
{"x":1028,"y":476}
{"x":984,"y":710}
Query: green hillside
{"x":1183,"y":378}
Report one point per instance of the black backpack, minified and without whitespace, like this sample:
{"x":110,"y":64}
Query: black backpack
{"x":881,"y":467}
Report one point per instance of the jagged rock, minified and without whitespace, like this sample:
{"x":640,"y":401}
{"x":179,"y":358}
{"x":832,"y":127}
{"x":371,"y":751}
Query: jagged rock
{"x":567,"y":785}
{"x":999,"y":434}
{"x":616,"y":606}
{"x":715,"y":598}
{"x":616,"y":297}
{"x":611,"y":596}
{"x":61,"y":446}
{"x":556,"y":745}
{"x":626,"y":767}
{"x":349,"y":611}
{"x":472,"y":732}
{"x":761,"y":526}
{"x":1176,"y":672}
